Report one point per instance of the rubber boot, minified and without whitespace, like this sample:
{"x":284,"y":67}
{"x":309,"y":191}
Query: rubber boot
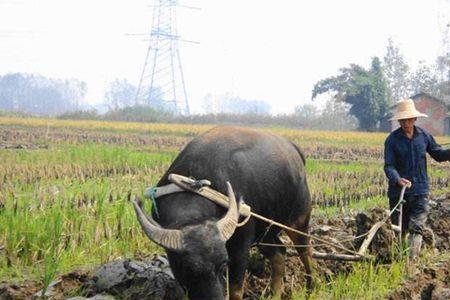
{"x":414,"y":243}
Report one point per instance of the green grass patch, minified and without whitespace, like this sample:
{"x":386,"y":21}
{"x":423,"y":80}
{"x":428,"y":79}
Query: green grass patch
{"x":354,"y":206}
{"x":365,"y":281}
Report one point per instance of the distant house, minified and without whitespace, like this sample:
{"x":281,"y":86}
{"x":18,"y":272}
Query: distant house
{"x":438,"y":121}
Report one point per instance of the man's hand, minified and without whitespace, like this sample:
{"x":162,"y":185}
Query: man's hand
{"x":403,"y":182}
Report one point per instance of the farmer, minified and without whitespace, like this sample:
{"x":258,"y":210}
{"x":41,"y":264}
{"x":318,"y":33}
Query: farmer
{"x":405,"y":164}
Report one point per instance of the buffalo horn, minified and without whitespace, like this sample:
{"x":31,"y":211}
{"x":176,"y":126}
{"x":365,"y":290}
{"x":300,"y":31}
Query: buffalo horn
{"x":228,"y":223}
{"x":170,"y":239}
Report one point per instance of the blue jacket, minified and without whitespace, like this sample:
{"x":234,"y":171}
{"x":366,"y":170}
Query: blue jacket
{"x":405,"y":158}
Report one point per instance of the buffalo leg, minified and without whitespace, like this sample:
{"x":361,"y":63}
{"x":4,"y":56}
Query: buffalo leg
{"x":304,"y":250}
{"x":276,"y":256}
{"x":238,"y":265}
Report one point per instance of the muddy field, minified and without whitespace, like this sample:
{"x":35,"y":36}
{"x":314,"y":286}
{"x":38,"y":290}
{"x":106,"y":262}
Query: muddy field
{"x":125,"y":279}
{"x":429,"y":280}
{"x":76,"y":179}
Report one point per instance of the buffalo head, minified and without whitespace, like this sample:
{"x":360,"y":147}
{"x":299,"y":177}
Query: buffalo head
{"x":197,"y":253}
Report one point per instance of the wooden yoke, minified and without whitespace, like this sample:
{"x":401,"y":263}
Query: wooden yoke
{"x":201,"y":187}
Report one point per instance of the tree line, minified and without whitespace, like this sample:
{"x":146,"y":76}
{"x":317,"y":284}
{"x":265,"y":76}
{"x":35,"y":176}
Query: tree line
{"x":333,"y":117}
{"x":370,"y":92}
{"x":34,"y":93}
{"x":360,"y":97}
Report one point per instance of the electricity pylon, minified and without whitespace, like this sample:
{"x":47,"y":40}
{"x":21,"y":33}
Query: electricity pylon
{"x":162,"y":81}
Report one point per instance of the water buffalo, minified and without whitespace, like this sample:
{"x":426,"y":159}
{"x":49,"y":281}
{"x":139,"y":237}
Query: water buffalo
{"x":268,"y":173}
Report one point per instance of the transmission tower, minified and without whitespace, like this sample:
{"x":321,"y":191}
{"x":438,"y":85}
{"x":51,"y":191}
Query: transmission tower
{"x":162,"y":81}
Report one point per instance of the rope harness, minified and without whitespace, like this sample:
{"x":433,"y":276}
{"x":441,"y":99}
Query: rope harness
{"x":150,"y":193}
{"x":201,"y":187}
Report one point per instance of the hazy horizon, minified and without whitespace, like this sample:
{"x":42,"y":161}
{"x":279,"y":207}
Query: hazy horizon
{"x":257,"y":50}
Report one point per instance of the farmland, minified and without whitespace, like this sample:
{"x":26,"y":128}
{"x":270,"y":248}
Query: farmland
{"x":66,"y":186}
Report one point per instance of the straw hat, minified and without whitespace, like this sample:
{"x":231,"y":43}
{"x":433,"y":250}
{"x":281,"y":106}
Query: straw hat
{"x":406,"y":110}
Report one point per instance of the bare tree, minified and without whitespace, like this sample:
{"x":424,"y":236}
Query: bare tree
{"x":396,"y":72}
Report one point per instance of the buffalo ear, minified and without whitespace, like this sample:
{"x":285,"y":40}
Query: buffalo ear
{"x":171,"y":239}
{"x":227,"y":225}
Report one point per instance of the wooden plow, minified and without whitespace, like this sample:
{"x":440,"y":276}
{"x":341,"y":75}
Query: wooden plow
{"x":201,"y":187}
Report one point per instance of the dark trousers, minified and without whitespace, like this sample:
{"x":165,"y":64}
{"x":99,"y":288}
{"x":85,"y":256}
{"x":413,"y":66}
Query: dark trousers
{"x":415,"y":213}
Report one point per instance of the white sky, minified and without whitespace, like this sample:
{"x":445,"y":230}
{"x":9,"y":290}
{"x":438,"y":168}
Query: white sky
{"x":267,"y":50}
